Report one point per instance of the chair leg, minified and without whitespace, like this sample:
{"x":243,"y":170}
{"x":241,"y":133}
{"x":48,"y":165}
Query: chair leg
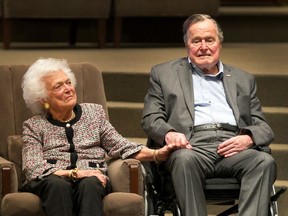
{"x":134,"y":185}
{"x":73,"y":32}
{"x":6,"y":33}
{"x":117,"y":31}
{"x":6,"y":180}
{"x":102,"y":33}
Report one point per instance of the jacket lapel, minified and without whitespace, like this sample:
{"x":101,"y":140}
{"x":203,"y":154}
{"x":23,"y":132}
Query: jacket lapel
{"x":185,"y":77}
{"x":229,"y":83}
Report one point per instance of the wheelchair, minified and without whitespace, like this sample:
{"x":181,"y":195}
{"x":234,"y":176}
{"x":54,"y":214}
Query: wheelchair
{"x":160,"y":196}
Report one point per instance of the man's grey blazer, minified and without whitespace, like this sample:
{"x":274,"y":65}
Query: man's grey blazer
{"x":169,"y":103}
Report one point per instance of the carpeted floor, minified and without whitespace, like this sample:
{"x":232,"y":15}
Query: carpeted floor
{"x":257,"y":58}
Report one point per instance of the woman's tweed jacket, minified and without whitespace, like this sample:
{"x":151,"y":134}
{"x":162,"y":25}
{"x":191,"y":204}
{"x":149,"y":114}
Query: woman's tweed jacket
{"x":50,"y":145}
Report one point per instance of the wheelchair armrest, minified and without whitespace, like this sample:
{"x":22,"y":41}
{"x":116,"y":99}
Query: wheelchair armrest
{"x":266,"y":149}
{"x":8,"y":180}
{"x":126,"y":175}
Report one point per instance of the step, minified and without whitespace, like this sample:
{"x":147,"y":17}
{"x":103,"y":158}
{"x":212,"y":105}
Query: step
{"x":280,"y":152}
{"x":126,"y":118}
{"x":240,"y":24}
{"x":277,"y":118}
{"x":243,"y":23}
{"x":126,"y":86}
{"x":133,"y":86}
{"x":272,"y":90}
{"x":253,"y":11}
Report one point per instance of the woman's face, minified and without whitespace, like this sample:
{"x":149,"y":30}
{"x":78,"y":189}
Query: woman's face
{"x":60,"y":91}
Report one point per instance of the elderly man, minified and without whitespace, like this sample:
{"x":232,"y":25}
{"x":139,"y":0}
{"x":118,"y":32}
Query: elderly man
{"x":210,"y":112}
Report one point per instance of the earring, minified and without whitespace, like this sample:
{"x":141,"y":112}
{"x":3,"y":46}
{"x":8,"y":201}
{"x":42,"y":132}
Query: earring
{"x":46,"y":106}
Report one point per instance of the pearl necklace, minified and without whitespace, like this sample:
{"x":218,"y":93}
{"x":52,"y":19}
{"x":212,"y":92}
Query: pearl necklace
{"x":72,"y":117}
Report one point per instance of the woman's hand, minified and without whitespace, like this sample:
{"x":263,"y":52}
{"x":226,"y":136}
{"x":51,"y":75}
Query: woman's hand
{"x":174,"y":141}
{"x":96,"y":173}
{"x":163,"y":153}
{"x":83,"y":174}
{"x":147,"y":154}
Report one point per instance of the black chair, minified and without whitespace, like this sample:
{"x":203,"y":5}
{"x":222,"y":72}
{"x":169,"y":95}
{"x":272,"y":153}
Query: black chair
{"x":160,"y":196}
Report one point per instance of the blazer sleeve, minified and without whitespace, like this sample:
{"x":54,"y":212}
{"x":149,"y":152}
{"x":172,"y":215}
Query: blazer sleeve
{"x":154,"y":119}
{"x":252,"y":118}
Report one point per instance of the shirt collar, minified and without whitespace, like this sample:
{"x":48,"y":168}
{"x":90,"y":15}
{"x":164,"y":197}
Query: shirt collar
{"x":197,"y":70}
{"x":78,"y":113}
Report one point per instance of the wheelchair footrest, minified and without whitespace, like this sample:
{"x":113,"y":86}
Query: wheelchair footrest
{"x":278,"y":194}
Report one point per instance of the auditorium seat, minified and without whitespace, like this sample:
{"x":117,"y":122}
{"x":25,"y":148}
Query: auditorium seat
{"x":72,"y":10}
{"x":159,"y":8}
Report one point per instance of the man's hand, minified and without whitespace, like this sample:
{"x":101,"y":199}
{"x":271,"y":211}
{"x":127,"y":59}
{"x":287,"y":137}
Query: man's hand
{"x":177,"y":140}
{"x":234,"y":145}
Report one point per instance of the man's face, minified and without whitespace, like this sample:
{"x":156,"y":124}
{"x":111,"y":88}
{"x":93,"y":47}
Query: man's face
{"x":203,"y":45}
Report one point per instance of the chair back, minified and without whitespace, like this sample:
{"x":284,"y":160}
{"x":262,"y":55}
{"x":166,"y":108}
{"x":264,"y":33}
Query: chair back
{"x":54,"y":9}
{"x":164,"y":8}
{"x":90,"y":88}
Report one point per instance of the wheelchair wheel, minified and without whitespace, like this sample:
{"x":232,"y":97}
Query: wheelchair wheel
{"x":149,"y":205}
{"x":273,"y":211}
{"x":176,"y":211}
{"x":273,"y":207}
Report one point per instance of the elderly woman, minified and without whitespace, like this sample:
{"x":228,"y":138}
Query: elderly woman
{"x":65,"y":143}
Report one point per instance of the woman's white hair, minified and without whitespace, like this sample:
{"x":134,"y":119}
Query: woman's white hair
{"x":33,"y":85}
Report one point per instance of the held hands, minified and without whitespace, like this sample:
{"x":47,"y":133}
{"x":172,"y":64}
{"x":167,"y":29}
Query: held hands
{"x":174,"y":141}
{"x":234,"y":145}
{"x":162,"y":153}
{"x":177,"y":140}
